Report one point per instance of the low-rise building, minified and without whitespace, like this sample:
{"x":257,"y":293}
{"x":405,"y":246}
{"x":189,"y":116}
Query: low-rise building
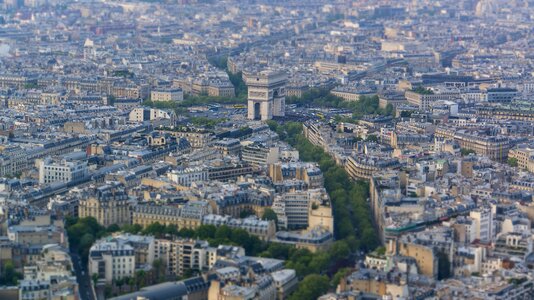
{"x":111,"y":260}
{"x":49,"y":277}
{"x":263,"y":229}
{"x":165,"y":95}
{"x":286,"y":282}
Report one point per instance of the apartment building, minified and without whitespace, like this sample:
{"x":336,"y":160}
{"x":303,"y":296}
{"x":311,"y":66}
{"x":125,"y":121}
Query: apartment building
{"x":228,"y":171}
{"x":364,"y":166}
{"x":51,"y":276}
{"x":187,"y":216}
{"x":524,"y":156}
{"x":180,"y":255}
{"x":394,"y":99}
{"x":483,"y":224}
{"x":51,"y":171}
{"x":347,"y":94}
{"x":228,"y":147}
{"x":166,"y":95}
{"x":186,"y":176}
{"x":309,"y":173}
{"x":425,"y":100}
{"x":263,"y":229}
{"x":425,"y":257}
{"x":494,"y":147}
{"x":112,"y":260}
{"x":260,"y":155}
{"x":197,"y":138}
{"x":108,"y":204}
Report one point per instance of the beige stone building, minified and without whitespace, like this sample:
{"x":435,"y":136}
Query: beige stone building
{"x":221,"y":89}
{"x":426,"y":259}
{"x":348,"y":95}
{"x":424,"y":101}
{"x":145,"y":215}
{"x":167,"y":95}
{"x":388,"y":286}
{"x":524,"y":156}
{"x":74,"y":127}
{"x":108,"y":204}
{"x":197,"y":138}
{"x":494,"y":147}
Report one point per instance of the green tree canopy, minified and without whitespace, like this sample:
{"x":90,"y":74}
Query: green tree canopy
{"x":512,"y":162}
{"x":9,"y":276}
{"x":311,"y":287}
{"x":270,"y":215}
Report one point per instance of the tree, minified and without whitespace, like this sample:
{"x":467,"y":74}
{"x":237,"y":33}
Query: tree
{"x":82,"y":233}
{"x":323,"y":98}
{"x":86,"y":242}
{"x":131,"y":281}
{"x":278,"y":251}
{"x":380,"y":250}
{"x":69,"y":221}
{"x":220,"y":62}
{"x":390,"y":110}
{"x":340,"y":274}
{"x":319,"y":262}
{"x":512,"y":162}
{"x":405,"y":114}
{"x":270,"y":215}
{"x":113,"y":228}
{"x":9,"y":276}
{"x":186,"y":233}
{"x":155,"y":229}
{"x":423,"y":91}
{"x":243,"y":238}
{"x":239,"y":84}
{"x":349,"y":199}
{"x":171,"y":229}
{"x":94,"y":277}
{"x":111,"y":100}
{"x":140,"y":277}
{"x":133,"y":229}
{"x":466,"y":152}
{"x":311,"y":287}
{"x":108,"y":290}
{"x":339,"y":250}
{"x":444,"y":266}
{"x":369,"y":238}
{"x":372,"y":138}
{"x":334,"y":17}
{"x":223,"y":232}
{"x":30,"y":85}
{"x":246,"y":213}
{"x":206,"y":231}
{"x":159,"y":269}
{"x":123,"y":73}
{"x":353,"y":243}
{"x":344,"y":227}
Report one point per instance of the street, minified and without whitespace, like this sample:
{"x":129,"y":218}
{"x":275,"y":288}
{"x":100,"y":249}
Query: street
{"x":83,"y":278}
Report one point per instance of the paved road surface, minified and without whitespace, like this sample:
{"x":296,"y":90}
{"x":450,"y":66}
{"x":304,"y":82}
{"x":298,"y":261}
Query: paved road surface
{"x":84,"y":280}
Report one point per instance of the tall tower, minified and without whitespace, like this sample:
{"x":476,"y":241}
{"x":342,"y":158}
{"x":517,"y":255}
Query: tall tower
{"x":266,"y":94}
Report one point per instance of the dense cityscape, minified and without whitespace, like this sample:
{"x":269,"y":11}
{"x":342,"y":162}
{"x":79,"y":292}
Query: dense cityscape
{"x":266,"y":149}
